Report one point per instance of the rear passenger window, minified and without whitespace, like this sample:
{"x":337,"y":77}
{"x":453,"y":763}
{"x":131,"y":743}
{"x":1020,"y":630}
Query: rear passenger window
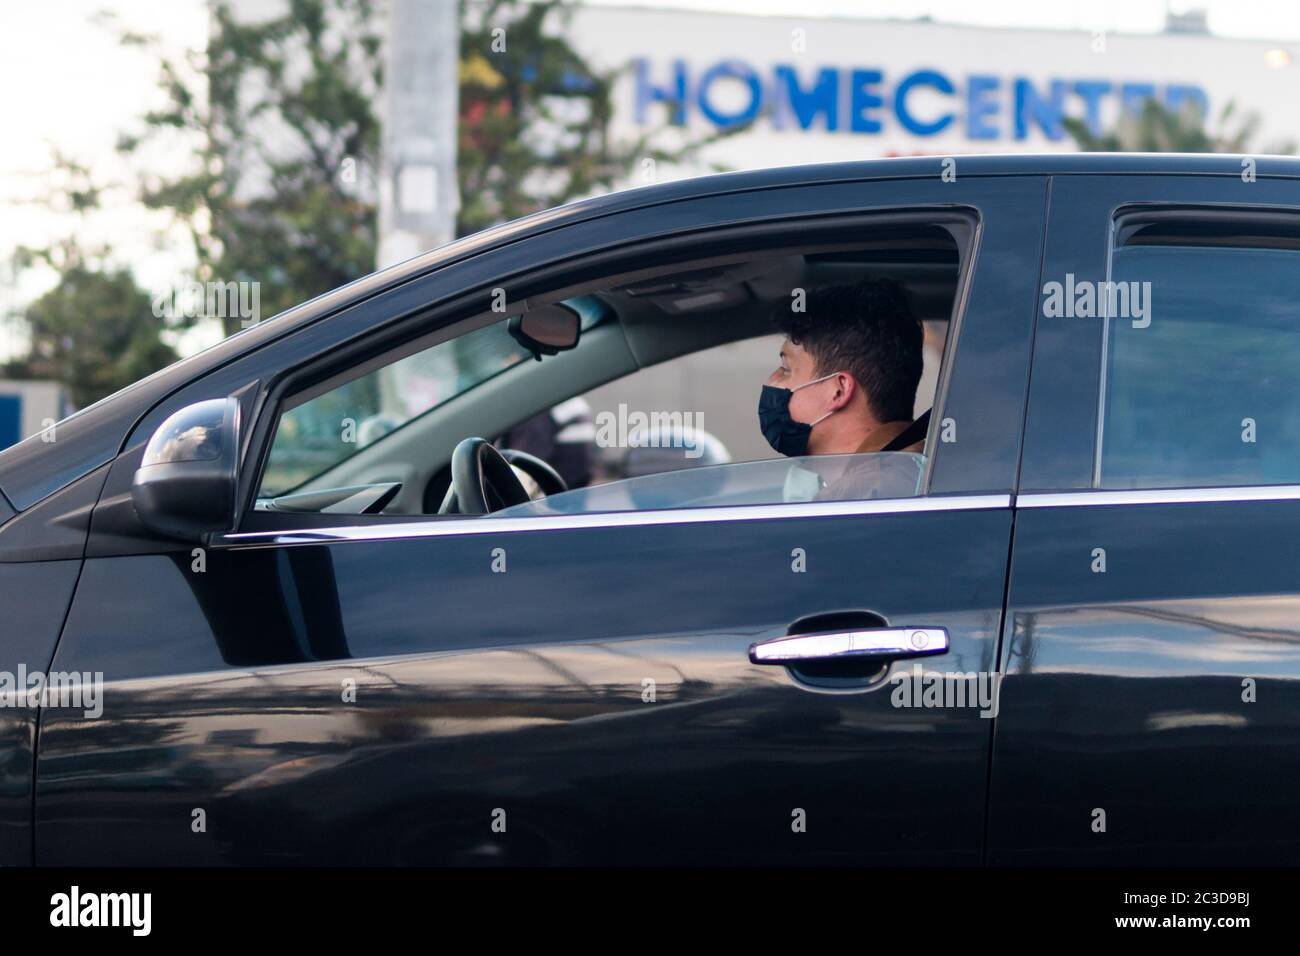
{"x":1204,"y":388}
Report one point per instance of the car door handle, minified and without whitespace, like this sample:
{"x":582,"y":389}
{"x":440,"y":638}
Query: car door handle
{"x":873,"y":643}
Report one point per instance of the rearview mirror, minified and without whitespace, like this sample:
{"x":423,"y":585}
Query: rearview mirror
{"x":185,"y":485}
{"x":548,"y":330}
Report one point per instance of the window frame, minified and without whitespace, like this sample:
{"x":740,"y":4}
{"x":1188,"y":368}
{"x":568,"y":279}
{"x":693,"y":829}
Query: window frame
{"x":1125,"y":221}
{"x":463,"y":313}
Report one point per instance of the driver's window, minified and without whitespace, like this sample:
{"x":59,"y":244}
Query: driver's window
{"x":785,"y":377}
{"x":321,"y":432}
{"x":685,"y":434}
{"x":626,"y":428}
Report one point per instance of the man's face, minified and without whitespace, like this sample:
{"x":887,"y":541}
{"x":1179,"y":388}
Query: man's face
{"x":796,"y":368}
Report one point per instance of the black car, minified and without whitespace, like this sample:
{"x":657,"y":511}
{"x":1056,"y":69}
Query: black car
{"x":301,"y":598}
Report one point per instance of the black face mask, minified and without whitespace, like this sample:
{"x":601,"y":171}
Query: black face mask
{"x":786,"y":436}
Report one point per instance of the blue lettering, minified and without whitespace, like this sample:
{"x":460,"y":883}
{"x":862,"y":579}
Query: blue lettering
{"x":1092,"y":91}
{"x":730,"y":69}
{"x":1047,"y":113}
{"x":824,"y":97}
{"x":804,"y":100}
{"x":922,"y":78}
{"x":863,"y":97}
{"x":647,"y":92}
{"x":978,"y":106}
{"x":1132,"y":96}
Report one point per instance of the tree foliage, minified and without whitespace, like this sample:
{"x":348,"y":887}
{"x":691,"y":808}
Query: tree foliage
{"x":1157,"y":129}
{"x":91,"y":358}
{"x":281,"y":115}
{"x":535,"y":118}
{"x":94,"y":331}
{"x":278,"y":120}
{"x":290,"y":109}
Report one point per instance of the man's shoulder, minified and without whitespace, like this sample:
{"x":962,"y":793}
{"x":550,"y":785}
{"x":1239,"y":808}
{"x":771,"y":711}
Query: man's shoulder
{"x":883,"y":434}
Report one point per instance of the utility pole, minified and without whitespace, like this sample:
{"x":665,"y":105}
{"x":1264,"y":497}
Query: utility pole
{"x":418,"y":198}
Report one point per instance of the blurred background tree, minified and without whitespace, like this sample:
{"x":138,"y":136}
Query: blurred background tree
{"x":94,"y":331}
{"x":96,"y":358}
{"x":1157,"y":129}
{"x":279,"y":117}
{"x":535,"y":118}
{"x":284,"y":185}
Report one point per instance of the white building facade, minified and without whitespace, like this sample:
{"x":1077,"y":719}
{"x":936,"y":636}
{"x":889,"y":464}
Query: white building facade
{"x":829,"y":90}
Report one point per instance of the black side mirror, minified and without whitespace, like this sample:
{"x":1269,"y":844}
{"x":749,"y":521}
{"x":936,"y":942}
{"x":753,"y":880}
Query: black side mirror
{"x":185,"y":485}
{"x":548,"y":330}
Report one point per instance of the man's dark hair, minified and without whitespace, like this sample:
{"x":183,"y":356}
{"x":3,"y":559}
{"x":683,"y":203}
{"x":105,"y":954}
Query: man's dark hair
{"x":867,"y":330}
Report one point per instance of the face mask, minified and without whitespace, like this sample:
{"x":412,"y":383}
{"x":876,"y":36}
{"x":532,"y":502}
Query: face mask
{"x":786,"y":436}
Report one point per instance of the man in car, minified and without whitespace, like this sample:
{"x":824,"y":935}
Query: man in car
{"x":849,"y":369}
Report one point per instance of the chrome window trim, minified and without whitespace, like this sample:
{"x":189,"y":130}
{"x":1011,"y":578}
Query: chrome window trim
{"x":1158,"y":496}
{"x":446,"y":527}
{"x":456,"y":527}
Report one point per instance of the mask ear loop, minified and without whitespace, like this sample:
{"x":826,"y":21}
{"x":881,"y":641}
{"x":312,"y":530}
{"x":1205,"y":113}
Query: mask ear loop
{"x":814,"y":382}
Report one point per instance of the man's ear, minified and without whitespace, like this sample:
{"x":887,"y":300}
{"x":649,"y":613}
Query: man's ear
{"x":846,"y":388}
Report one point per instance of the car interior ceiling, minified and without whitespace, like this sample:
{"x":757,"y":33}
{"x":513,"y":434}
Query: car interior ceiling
{"x":652,"y":319}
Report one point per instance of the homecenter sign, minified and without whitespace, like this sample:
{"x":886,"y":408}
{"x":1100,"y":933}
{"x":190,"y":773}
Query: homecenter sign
{"x":867,"y":100}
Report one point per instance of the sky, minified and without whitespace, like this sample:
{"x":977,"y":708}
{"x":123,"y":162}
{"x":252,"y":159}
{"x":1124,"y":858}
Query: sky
{"x":71,"y":87}
{"x":1254,"y":19}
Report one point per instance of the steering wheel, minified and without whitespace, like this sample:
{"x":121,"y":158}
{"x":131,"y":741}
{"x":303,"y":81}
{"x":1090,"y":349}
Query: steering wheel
{"x":480,"y":485}
{"x":547,"y":478}
{"x":482,"y":481}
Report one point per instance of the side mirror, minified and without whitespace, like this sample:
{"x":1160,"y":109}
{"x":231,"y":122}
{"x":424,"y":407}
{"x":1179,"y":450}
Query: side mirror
{"x":185,"y":485}
{"x":548,"y":330}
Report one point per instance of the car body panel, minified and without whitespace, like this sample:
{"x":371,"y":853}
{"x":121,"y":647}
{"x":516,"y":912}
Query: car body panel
{"x":34,"y":601}
{"x":481,"y":691}
{"x":1124,"y":690}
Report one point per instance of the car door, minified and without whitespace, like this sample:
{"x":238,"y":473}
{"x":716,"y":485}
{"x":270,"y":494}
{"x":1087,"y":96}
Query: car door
{"x":1151,"y":707}
{"x":564,"y":689}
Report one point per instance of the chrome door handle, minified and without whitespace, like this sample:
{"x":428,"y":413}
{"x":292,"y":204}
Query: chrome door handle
{"x":873,"y":643}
